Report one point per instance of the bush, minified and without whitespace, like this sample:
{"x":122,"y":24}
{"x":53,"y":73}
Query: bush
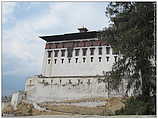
{"x":138,"y":106}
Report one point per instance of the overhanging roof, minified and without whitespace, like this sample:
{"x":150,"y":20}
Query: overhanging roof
{"x":72,"y":36}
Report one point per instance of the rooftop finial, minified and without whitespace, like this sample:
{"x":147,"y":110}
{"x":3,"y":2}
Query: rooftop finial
{"x":83,"y":29}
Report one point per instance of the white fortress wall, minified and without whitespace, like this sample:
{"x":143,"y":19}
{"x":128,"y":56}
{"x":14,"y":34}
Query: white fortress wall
{"x":80,"y":68}
{"x":72,"y":77}
{"x":59,"y":89}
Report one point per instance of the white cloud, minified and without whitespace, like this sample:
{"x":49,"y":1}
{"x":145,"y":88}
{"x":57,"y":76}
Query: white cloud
{"x":7,"y":10}
{"x":21,"y":42}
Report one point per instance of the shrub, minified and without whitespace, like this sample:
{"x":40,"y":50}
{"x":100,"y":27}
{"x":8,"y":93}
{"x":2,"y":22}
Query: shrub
{"x":138,"y":106}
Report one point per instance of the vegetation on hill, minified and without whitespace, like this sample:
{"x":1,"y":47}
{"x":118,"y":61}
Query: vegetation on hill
{"x":132,"y":33}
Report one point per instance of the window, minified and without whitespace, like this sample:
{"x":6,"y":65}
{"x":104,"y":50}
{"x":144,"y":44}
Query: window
{"x":84,"y":51}
{"x":88,"y":82}
{"x":62,"y":61}
{"x":100,"y":51}
{"x":99,"y":59}
{"x":69,"y":52}
{"x":77,"y":52}
{"x":70,"y":82}
{"x":107,"y":59}
{"x":92,"y":51}
{"x":115,"y":58}
{"x":91,"y":59}
{"x":49,"y":54}
{"x":48,"y":61}
{"x":69,"y":60}
{"x":55,"y":61}
{"x":78,"y":81}
{"x":63,"y":53}
{"x":76,"y":60}
{"x":107,"y":50}
{"x":51,"y":81}
{"x":84,"y":59}
{"x":56,"y":53}
{"x":60,"y":81}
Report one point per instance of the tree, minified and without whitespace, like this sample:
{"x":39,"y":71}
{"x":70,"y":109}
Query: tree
{"x":132,"y":33}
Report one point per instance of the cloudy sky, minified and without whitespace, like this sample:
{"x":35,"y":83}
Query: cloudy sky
{"x":23,"y":22}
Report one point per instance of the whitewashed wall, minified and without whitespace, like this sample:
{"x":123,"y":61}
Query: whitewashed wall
{"x":78,"y":69}
{"x":58,"y":91}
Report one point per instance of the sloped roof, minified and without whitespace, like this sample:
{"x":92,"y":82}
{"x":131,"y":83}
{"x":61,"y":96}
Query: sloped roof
{"x":71,"y":36}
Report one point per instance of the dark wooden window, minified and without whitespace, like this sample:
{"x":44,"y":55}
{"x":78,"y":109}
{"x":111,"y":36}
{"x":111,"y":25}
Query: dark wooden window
{"x":76,"y":60}
{"x":99,"y":59}
{"x":100,"y":51}
{"x":92,"y":51}
{"x":88,"y":82}
{"x":49,"y":54}
{"x":63,"y":53}
{"x":62,"y":61}
{"x":84,"y":51}
{"x":69,"y":60}
{"x":107,"y":59}
{"x":115,"y":58}
{"x":84,"y":59}
{"x":70,"y":82}
{"x":55,"y":61}
{"x":48,"y":61}
{"x":69,"y":52}
{"x":91,"y":59}
{"x":107,"y":50}
{"x":77,"y":52}
{"x":56,"y":53}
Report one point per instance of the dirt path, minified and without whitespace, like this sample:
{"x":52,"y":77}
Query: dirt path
{"x":92,"y":116}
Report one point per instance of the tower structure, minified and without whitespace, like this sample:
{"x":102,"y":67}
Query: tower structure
{"x":77,"y":54}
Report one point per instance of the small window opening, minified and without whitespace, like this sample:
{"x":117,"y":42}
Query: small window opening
{"x":69,"y":52}
{"x":55,"y":61}
{"x":70,"y":82}
{"x":69,"y":60}
{"x":49,"y":54}
{"x":76,"y":60}
{"x":99,"y":59}
{"x":63,"y":53}
{"x":107,"y":59}
{"x":92,"y":51}
{"x":100,"y":51}
{"x":60,"y":81}
{"x":62,"y":61}
{"x":78,"y":81}
{"x":107,"y":50}
{"x":77,"y":52}
{"x":84,"y":51}
{"x":48,"y":61}
{"x":88,"y":82}
{"x":56,"y":53}
{"x":115,"y":58}
{"x":84,"y":59}
{"x":51,"y":81}
{"x":91,"y":59}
